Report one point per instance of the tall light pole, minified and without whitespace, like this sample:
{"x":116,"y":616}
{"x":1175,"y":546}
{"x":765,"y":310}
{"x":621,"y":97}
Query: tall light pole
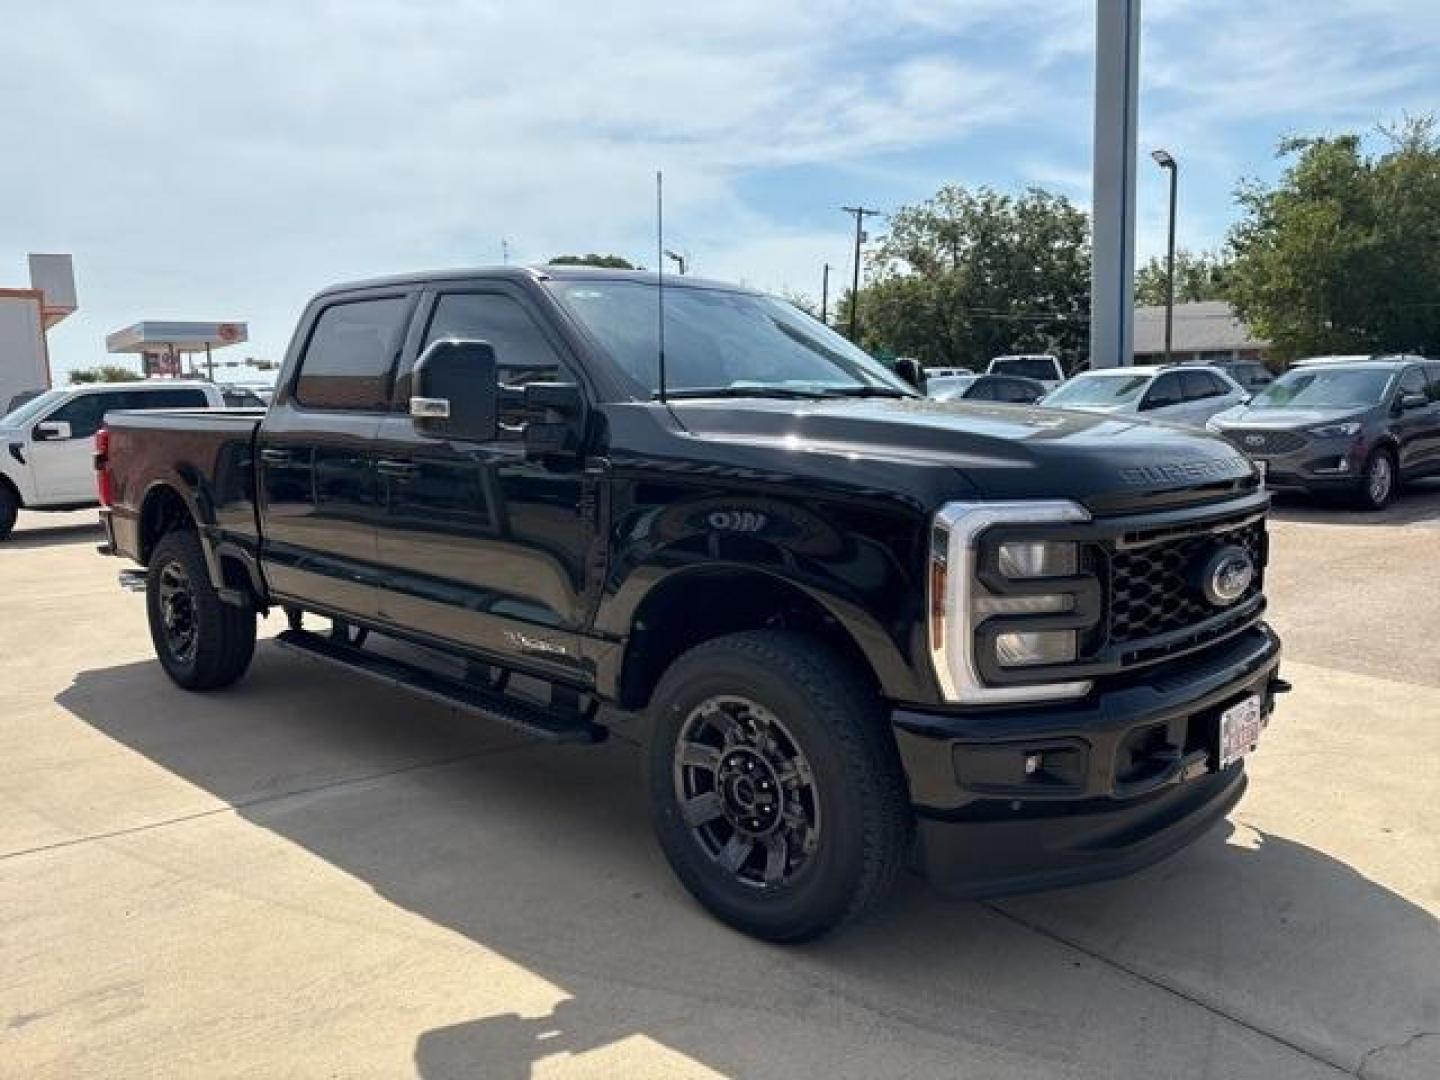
{"x":1112,"y":279}
{"x":825,"y":294}
{"x":860,"y":215}
{"x":677,"y":259}
{"x":1164,"y":159}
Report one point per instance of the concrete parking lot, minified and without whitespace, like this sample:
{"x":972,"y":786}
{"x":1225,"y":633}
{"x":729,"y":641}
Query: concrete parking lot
{"x":312,"y":876}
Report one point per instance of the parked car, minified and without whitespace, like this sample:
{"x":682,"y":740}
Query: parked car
{"x":1354,"y":425}
{"x":1251,"y":375}
{"x":850,"y":628}
{"x":1010,"y":389}
{"x":1180,"y":395}
{"x":1042,"y":368}
{"x":240,"y":396}
{"x":48,"y":440}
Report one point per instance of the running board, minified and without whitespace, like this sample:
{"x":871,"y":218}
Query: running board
{"x":549,"y":724}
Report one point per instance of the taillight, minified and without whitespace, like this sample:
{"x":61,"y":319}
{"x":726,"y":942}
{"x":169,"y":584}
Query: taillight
{"x":102,"y":466}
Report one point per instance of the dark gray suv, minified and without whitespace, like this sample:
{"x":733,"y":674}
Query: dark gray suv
{"x":1355,"y":425}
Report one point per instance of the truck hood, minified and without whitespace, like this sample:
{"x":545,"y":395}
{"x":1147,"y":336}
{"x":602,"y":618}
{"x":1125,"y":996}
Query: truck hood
{"x":1000,"y":451}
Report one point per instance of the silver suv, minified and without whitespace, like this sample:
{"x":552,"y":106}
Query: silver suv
{"x":1353,"y":425}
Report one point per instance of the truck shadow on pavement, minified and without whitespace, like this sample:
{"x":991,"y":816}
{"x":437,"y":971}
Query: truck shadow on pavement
{"x":1244,"y":955}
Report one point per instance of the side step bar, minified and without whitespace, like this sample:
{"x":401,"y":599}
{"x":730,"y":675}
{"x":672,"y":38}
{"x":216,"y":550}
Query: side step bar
{"x":548,"y":724}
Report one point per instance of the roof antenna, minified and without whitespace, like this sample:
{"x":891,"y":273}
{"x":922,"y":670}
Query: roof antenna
{"x":660,"y":269}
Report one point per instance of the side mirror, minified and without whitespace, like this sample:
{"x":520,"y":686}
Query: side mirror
{"x":454,"y":391}
{"x":1413,"y":401}
{"x":910,"y":370}
{"x":53,"y":431}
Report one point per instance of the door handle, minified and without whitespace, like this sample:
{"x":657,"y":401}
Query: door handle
{"x":400,"y":470}
{"x":275,"y":457}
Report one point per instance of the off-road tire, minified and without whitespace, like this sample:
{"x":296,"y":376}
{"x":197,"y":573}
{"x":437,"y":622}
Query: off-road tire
{"x":223,"y":640}
{"x":837,"y":723}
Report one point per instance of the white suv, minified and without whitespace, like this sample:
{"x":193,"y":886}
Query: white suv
{"x":46,"y":444}
{"x":1041,"y":367}
{"x":1182,"y":395}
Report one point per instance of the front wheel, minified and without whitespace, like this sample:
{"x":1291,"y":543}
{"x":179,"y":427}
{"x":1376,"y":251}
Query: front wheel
{"x":1377,"y":484}
{"x":777,"y":795}
{"x":202,"y":642}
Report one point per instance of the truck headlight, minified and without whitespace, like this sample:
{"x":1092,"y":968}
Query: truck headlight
{"x":961,"y":600}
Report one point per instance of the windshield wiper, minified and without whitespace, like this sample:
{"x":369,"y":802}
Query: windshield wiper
{"x":868,"y":391}
{"x":739,"y":392}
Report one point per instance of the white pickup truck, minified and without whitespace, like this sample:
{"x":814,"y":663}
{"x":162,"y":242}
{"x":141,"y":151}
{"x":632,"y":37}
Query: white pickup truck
{"x":46,"y":444}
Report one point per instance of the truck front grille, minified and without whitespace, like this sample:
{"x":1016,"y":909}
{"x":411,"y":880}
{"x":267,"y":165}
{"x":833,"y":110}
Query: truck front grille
{"x":1152,"y":587}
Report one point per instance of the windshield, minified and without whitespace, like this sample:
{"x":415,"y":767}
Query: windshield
{"x":730,"y":342}
{"x":31,"y":409}
{"x":1094,"y":390}
{"x":1030,"y":367}
{"x":1324,"y":388}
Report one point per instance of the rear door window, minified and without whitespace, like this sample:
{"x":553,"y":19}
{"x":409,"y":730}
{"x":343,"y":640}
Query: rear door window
{"x":351,"y":353}
{"x":981,"y":390}
{"x":1197,"y":385}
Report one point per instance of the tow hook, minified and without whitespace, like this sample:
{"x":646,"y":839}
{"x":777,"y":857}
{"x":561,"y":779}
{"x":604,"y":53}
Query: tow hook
{"x":1280,"y":686}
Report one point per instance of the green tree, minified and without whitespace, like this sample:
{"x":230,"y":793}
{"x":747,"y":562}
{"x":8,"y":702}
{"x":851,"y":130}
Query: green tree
{"x":611,"y":262}
{"x":103,"y":373}
{"x":1198,"y":276}
{"x":969,"y":275}
{"x":1343,"y":254}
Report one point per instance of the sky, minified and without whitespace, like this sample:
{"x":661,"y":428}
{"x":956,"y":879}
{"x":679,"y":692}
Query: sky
{"x":225,"y":160}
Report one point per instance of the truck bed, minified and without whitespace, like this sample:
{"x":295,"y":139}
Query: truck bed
{"x":205,"y":455}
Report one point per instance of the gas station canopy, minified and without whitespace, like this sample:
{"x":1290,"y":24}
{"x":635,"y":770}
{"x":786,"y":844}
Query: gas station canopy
{"x":162,"y":343}
{"x":175,"y":337}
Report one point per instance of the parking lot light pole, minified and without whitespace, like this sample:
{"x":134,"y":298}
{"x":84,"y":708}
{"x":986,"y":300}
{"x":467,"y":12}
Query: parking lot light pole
{"x":1167,"y":162}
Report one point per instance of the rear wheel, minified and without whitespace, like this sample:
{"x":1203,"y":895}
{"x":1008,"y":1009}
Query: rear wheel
{"x":9,"y":509}
{"x":1378,"y":482}
{"x":777,"y":794}
{"x":202,"y":642}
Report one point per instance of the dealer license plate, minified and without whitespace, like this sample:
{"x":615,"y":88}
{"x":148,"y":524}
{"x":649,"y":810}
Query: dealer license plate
{"x":1240,"y":730}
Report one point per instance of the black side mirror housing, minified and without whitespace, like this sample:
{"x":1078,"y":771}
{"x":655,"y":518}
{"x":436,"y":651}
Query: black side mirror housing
{"x":1412,"y":401}
{"x":910,"y":370}
{"x":455,"y":393}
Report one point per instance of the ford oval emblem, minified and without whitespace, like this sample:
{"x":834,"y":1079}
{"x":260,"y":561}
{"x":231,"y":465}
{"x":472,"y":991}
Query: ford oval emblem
{"x":1226,"y":575}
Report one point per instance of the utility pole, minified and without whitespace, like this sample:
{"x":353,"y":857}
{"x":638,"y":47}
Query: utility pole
{"x":1166,"y":161}
{"x":860,"y":215}
{"x":825,"y":294}
{"x":505,"y":250}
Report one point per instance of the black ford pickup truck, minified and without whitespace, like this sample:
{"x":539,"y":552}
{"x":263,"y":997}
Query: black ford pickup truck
{"x":851,"y":627}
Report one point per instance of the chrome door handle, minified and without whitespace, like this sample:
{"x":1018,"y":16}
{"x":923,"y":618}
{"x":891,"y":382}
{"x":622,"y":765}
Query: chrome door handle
{"x":401,"y":470}
{"x":275,"y":457}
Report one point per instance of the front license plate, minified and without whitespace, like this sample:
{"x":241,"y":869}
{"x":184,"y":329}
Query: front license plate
{"x":1240,"y":730}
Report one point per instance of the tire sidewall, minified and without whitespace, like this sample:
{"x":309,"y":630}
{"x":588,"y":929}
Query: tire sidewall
{"x":184,"y":549}
{"x":1364,"y":493}
{"x":823,"y":887}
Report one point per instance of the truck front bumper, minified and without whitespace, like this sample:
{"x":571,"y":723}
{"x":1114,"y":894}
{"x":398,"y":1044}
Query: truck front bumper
{"x":1017,"y":799}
